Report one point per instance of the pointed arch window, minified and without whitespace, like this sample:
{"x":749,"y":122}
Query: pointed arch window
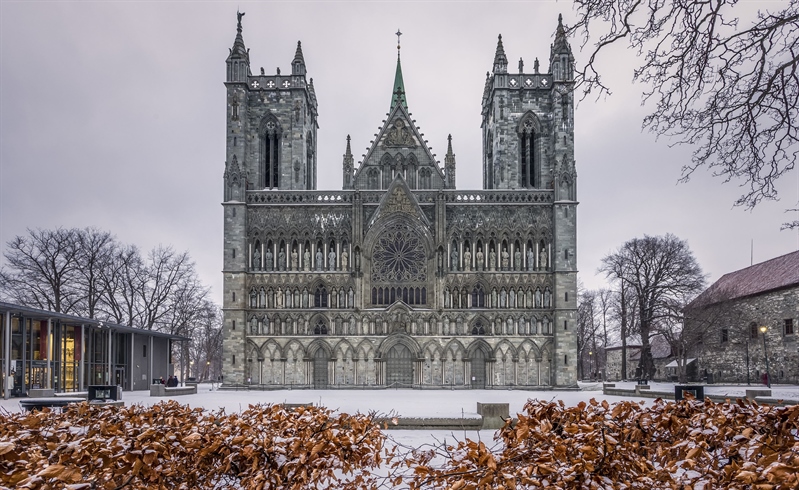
{"x":478,"y":329}
{"x":270,"y":153}
{"x":528,"y":159}
{"x":320,"y":328}
{"x":373,"y":178}
{"x":478,"y":296}
{"x":320,"y":297}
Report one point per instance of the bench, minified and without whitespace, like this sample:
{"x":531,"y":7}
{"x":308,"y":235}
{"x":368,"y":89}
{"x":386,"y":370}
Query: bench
{"x":41,"y":392}
{"x":162,"y":390}
{"x":31,"y":404}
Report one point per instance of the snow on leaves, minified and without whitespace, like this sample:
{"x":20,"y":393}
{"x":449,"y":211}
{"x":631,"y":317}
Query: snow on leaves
{"x":690,"y":444}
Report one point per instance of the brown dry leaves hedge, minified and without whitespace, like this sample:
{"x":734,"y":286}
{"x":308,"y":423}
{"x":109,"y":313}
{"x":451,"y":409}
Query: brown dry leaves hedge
{"x":173,"y":446}
{"x":687,"y":445}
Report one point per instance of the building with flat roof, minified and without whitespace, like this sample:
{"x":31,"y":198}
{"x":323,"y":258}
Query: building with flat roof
{"x":46,"y":350}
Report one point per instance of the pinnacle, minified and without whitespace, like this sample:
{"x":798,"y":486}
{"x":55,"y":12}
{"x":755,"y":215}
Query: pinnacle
{"x":298,"y":54}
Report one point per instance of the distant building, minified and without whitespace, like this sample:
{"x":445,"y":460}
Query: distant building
{"x":47,"y":350}
{"x":732,"y":311}
{"x":660,"y":353}
{"x":399,"y":279}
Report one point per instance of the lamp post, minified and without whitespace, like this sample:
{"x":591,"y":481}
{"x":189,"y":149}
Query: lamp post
{"x":591,"y":364}
{"x":763,"y":329}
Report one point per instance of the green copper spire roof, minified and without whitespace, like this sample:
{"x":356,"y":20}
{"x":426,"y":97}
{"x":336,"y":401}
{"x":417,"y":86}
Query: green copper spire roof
{"x":398,"y":89}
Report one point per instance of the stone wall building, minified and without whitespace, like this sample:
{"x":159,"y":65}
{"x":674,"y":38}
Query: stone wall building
{"x":400,"y":279}
{"x":730,"y":314}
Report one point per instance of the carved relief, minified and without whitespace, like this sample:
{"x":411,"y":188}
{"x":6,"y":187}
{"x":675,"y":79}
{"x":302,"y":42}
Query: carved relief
{"x":399,"y":136}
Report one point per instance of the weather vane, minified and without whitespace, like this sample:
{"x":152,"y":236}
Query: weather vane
{"x":398,"y":38}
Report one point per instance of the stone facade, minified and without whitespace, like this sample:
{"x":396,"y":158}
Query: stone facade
{"x":399,"y":279}
{"x":731,"y":312}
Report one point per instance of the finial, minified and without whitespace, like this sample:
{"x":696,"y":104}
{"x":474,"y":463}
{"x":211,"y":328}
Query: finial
{"x":239,"y":15}
{"x":449,"y":144}
{"x":560,"y":19}
{"x":399,"y":33}
{"x":521,"y":65}
{"x":535,"y":65}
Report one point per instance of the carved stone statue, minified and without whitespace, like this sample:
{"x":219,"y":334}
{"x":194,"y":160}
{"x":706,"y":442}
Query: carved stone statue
{"x":453,"y":264}
{"x":344,"y":260}
{"x":294,"y":259}
{"x":547,"y":299}
{"x":279,"y":298}
{"x":479,"y":257}
{"x":253,"y":298}
{"x":319,"y":260}
{"x":306,"y":260}
{"x":538,"y":298}
{"x":350,"y":296}
{"x":269,"y":258}
{"x":256,"y":259}
{"x":467,"y":260}
{"x":512,"y":299}
{"x":281,"y":260}
{"x":331,"y":260}
{"x":542,"y":259}
{"x":505,"y":259}
{"x":399,"y":135}
{"x":492,"y":260}
{"x":502,"y":299}
{"x":517,"y":260}
{"x":530,"y":260}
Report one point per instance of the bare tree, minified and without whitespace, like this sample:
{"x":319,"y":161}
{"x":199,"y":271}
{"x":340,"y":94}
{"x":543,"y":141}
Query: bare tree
{"x":42,"y":269}
{"x":722,"y":80}
{"x":587,"y":327}
{"x":97,"y":251}
{"x":122,"y":281}
{"x":659,"y":271}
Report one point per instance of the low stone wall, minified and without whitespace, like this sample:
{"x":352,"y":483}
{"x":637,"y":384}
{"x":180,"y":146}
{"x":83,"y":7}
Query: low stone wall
{"x":161,"y":390}
{"x":41,"y":392}
{"x":431,"y":423}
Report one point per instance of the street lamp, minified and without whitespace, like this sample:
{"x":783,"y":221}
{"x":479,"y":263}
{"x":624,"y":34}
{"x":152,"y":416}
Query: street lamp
{"x":763,"y":329}
{"x":591,"y":364}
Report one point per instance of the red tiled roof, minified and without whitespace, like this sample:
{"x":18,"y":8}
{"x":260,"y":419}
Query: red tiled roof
{"x":777,"y":273}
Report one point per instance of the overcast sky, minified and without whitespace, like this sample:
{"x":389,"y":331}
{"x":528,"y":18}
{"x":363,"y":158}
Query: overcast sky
{"x":113,"y":115}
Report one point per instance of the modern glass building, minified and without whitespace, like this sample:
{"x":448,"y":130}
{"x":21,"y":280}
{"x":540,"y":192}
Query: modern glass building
{"x":47,"y":350}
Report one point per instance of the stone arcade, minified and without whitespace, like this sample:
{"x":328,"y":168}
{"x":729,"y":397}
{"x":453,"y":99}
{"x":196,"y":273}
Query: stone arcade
{"x":399,"y":279}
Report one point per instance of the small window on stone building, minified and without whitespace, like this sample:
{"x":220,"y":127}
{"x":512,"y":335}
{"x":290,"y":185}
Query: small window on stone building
{"x":234,"y":359}
{"x":566,"y":296}
{"x":144,"y":350}
{"x":725,"y":335}
{"x":234,"y":295}
{"x":788,"y":329}
{"x":753,"y":330}
{"x":565,"y":324}
{"x":565,"y":360}
{"x":234,"y":325}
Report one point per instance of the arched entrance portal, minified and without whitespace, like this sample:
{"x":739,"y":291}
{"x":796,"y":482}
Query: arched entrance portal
{"x":478,"y":369}
{"x":399,"y":366}
{"x":320,"y":361}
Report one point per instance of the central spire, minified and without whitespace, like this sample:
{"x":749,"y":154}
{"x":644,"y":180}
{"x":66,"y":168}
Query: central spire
{"x":398,"y":90}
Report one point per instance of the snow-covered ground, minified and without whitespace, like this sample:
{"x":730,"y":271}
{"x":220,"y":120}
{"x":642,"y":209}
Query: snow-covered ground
{"x":412,"y":403}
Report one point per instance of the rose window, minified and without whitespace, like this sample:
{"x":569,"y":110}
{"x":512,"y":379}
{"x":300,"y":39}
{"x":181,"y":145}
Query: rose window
{"x":399,"y":256}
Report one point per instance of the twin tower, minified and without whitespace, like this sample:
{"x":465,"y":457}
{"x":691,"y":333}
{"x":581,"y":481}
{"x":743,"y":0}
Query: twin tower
{"x":399,"y":279}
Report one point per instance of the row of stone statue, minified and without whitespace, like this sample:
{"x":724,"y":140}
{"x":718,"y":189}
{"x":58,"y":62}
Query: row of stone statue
{"x":505,"y":263}
{"x":269,"y":265}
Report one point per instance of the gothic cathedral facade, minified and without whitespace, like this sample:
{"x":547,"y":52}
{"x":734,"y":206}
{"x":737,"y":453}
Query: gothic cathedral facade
{"x":399,"y":279}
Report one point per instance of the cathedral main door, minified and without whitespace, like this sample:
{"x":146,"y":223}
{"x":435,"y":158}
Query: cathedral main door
{"x":320,"y":362}
{"x":478,"y":369}
{"x":399,"y":367}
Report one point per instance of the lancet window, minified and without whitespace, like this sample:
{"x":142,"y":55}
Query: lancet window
{"x":270,"y":153}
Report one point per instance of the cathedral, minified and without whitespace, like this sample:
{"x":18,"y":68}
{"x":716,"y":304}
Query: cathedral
{"x":400,"y":279}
